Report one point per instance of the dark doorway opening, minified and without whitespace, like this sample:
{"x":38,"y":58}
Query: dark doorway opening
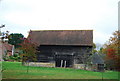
{"x":64,"y":61}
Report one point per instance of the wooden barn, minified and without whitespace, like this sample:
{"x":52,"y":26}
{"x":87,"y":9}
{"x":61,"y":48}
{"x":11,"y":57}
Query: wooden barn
{"x":65,"y":48}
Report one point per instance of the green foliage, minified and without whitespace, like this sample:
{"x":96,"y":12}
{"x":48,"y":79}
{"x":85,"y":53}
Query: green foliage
{"x":111,"y":51}
{"x":5,"y":57}
{"x":94,"y":46}
{"x":94,"y":49}
{"x":29,"y":51}
{"x":15,"y":57}
{"x":15,"y":39}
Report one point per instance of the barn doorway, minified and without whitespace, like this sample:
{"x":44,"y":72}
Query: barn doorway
{"x":63,"y":60}
{"x":63,"y":63}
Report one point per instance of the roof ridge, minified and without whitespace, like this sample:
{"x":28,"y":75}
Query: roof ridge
{"x":61,"y":30}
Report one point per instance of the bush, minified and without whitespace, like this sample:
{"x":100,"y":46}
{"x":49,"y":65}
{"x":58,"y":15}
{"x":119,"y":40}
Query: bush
{"x":5,"y":58}
{"x":15,"y":57}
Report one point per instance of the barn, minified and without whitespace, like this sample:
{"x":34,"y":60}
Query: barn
{"x":65,"y":48}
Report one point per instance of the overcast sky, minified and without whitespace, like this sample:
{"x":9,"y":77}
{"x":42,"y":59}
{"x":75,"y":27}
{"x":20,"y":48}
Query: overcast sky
{"x":101,"y":16}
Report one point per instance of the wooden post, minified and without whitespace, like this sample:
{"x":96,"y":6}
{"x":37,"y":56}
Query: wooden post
{"x":61,"y":63}
{"x":65,"y":64}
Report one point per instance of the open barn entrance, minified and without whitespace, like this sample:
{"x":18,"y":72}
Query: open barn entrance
{"x":63,"y":63}
{"x":63,"y":60}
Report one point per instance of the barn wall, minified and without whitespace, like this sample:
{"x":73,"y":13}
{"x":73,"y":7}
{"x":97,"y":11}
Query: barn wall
{"x":47,"y":52}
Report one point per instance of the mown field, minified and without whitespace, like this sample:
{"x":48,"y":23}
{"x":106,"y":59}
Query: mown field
{"x":15,"y":70}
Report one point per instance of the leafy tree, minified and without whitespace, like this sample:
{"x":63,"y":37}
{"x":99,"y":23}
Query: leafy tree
{"x":29,"y":50}
{"x":94,"y":49}
{"x":112,"y":52}
{"x":15,"y":39}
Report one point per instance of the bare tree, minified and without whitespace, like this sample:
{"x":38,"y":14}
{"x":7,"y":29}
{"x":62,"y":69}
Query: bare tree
{"x":85,"y":56}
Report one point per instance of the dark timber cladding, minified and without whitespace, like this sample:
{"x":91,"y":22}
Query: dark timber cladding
{"x":65,"y":47}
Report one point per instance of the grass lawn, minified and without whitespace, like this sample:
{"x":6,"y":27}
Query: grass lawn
{"x":15,"y":70}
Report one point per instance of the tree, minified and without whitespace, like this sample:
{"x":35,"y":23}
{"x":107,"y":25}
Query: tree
{"x":111,"y":49}
{"x":85,"y":57}
{"x":94,"y":49}
{"x":29,"y":50}
{"x":15,"y":39}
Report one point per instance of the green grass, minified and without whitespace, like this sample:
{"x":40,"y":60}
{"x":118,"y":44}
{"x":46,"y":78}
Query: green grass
{"x":15,"y":70}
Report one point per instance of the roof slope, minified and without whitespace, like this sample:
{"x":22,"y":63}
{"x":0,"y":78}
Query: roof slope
{"x":62,"y":37}
{"x":97,"y":59}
